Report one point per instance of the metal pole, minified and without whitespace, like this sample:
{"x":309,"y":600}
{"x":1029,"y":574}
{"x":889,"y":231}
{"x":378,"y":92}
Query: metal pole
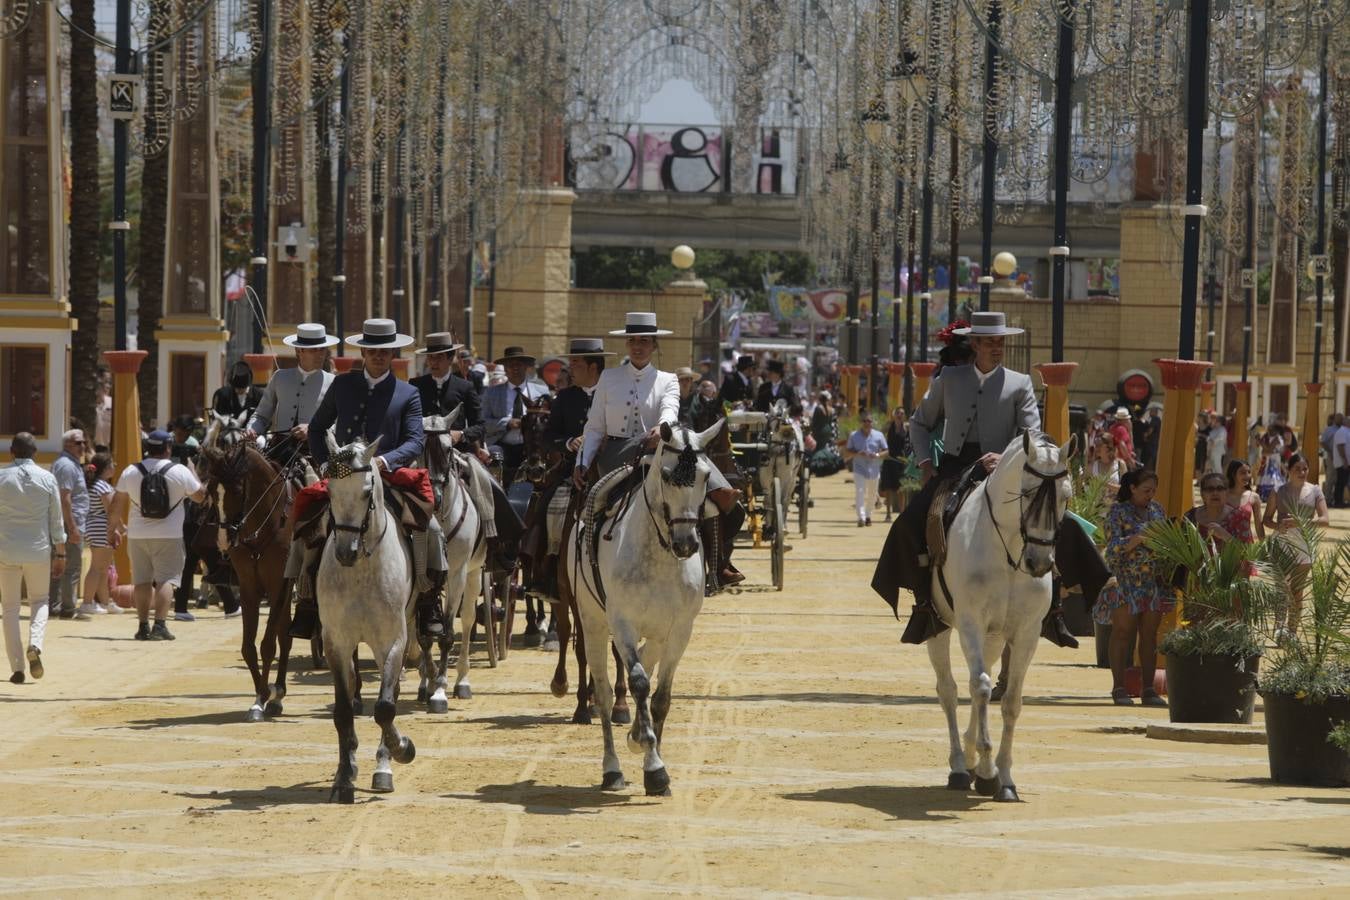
{"x":876,"y":298}
{"x":1059,"y":254}
{"x":119,"y":224}
{"x":262,"y":160}
{"x":1197,"y":31}
{"x":492,"y":291}
{"x":340,"y":236}
{"x":909,"y":314}
{"x":400,"y":194}
{"x":1249,"y":268}
{"x":926,"y":236}
{"x":473,"y":187}
{"x":1320,"y":242}
{"x":994,"y":19}
{"x":895,"y":271}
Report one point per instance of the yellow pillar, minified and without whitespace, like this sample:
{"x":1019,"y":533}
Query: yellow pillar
{"x":895,"y":386}
{"x":1241,"y":420}
{"x":1312,"y":431}
{"x":126,"y":422}
{"x":1057,"y":377}
{"x":1176,"y":448}
{"x":1207,"y":396}
{"x":923,"y":373}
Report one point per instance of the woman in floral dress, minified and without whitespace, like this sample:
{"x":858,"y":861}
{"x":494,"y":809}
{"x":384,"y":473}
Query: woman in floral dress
{"x":1135,"y":605}
{"x":1297,"y":500}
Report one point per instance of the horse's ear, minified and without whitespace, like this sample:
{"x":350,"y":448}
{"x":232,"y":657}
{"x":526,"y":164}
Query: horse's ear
{"x":330,"y":442}
{"x":666,"y":433}
{"x":241,"y":420}
{"x":454,"y":414}
{"x":371,"y":451}
{"x":1069,"y":448}
{"x":705,"y":438}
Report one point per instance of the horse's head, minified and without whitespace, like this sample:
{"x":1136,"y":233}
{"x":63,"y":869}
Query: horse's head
{"x":225,"y":431}
{"x":679,"y":481}
{"x":355,"y":498}
{"x":1044,"y":495}
{"x":534,"y":468}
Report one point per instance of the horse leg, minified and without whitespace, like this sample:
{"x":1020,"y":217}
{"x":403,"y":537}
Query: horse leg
{"x":281,"y":609}
{"x":940,"y":655}
{"x":343,"y":787}
{"x":978,"y":744}
{"x":468,"y":605}
{"x":551,"y":638}
{"x":1018,"y":662}
{"x":582,"y":714}
{"x":248,"y":602}
{"x":647,"y":657}
{"x":392,"y":744}
{"x":562,"y":633}
{"x":621,"y":712}
{"x":597,"y":639}
{"x":654,"y":775}
{"x":358,"y":708}
{"x":642,"y":737}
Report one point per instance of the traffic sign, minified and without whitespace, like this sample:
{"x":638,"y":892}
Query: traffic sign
{"x":123,"y":95}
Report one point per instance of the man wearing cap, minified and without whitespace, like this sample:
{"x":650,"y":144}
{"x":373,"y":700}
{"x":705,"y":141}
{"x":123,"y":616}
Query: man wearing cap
{"x":441,"y":390}
{"x":240,"y":395}
{"x":292,"y":396}
{"x":686,"y":378}
{"x":504,"y":408}
{"x":736,"y":387}
{"x":629,"y":406}
{"x":983,"y":407}
{"x":773,"y":388}
{"x":365,"y":404}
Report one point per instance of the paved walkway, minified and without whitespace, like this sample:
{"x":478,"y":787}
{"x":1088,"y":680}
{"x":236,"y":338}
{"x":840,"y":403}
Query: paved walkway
{"x":805,"y":746}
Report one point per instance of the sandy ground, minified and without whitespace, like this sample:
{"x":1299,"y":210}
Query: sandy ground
{"x":805,"y":745}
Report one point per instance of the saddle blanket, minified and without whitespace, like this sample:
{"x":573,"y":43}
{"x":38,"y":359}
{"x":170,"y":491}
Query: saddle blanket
{"x":412,"y":485}
{"x":557,"y":516}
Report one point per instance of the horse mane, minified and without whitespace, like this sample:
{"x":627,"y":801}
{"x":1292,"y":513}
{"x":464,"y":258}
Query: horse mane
{"x":686,"y":468}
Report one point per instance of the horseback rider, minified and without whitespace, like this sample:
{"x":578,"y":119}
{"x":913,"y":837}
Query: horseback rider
{"x":504,"y":408}
{"x":774,"y":388}
{"x":365,"y":404}
{"x":240,"y":395}
{"x":628,"y":408}
{"x":441,"y":391}
{"x":737,"y":387}
{"x":293,"y":395}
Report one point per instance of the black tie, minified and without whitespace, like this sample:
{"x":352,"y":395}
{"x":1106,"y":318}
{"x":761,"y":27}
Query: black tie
{"x":518,"y":410}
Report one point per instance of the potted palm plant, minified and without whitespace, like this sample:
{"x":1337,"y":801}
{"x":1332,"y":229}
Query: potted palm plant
{"x":1212,"y":659}
{"x":1306,"y":686}
{"x":1092,"y":497}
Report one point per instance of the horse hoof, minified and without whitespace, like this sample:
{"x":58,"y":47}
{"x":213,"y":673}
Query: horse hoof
{"x":986,"y":787}
{"x":255,"y":714}
{"x":405,"y":753}
{"x":551,"y":643}
{"x":1007,"y":794}
{"x":382,"y":782}
{"x":621,"y":716}
{"x":317,"y":661}
{"x":559,"y":688}
{"x":272,"y":709}
{"x":421,"y":695}
{"x":532,"y":640}
{"x":958,"y":781}
{"x":438,"y":706}
{"x":581,"y":717}
{"x":613,"y":781}
{"x":656,"y":782}
{"x":463,"y":692}
{"x":997,"y":693}
{"x":344,"y":793}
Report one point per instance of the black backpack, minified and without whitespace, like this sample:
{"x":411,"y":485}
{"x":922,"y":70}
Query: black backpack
{"x":155,"y":503}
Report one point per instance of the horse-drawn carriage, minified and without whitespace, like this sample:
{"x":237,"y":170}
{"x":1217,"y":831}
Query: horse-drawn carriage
{"x":769,"y":452}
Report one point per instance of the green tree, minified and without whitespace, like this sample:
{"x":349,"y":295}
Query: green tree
{"x":643,"y":268}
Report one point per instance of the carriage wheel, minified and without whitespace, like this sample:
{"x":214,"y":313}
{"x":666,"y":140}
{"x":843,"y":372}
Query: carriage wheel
{"x":489,"y":627}
{"x":777,"y":516}
{"x":803,"y":499}
{"x":508,"y":590}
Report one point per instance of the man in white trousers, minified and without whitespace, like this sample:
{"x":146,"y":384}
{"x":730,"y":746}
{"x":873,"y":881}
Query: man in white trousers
{"x":867,"y":448}
{"x":32,"y":550}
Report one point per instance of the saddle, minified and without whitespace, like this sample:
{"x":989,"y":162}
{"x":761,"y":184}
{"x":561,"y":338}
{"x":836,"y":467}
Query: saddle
{"x":948,"y":499}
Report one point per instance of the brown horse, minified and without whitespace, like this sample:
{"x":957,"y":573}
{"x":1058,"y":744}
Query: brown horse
{"x":254,"y":495}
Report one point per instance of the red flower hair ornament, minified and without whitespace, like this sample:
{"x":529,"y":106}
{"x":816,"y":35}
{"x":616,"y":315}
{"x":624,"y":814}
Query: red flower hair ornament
{"x":947,"y":335}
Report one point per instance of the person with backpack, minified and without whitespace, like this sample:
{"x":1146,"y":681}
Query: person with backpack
{"x":155,"y":489}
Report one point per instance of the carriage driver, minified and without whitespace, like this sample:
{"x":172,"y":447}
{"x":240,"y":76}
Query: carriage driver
{"x":364,"y":404}
{"x":628,"y":407}
{"x":983,"y":406}
{"x":293,"y":395}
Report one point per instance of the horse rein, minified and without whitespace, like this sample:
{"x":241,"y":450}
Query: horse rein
{"x":342,"y":470}
{"x":671,"y":521}
{"x":1038,"y":500}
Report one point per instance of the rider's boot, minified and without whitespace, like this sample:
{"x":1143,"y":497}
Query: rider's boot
{"x":1053,"y":628}
{"x":305,"y":618}
{"x":430,"y":615}
{"x":729,"y":525}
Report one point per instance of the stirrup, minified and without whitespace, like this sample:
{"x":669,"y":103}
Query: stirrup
{"x":924,"y":623}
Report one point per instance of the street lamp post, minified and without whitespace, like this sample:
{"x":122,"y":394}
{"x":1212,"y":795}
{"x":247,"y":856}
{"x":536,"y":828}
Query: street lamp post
{"x":989,"y":163}
{"x":1197,"y":89}
{"x":1059,"y":253}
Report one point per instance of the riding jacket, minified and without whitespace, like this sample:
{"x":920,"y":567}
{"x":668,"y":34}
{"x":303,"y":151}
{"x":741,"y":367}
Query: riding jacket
{"x":627,"y":403}
{"x":390,"y":410}
{"x":441,"y":400}
{"x":291,"y":398}
{"x":989,"y":411}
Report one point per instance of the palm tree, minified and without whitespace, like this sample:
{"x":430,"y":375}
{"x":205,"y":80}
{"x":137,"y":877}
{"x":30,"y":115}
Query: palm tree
{"x":84,"y":211}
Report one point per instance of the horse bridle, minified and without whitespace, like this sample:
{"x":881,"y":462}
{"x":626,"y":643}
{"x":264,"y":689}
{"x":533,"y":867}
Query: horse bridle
{"x":671,"y":521}
{"x":339,"y":467}
{"x":1039,"y":500}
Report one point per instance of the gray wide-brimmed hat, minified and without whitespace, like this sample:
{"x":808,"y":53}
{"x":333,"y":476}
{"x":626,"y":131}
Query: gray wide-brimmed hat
{"x":640,"y":324}
{"x":310,"y":336}
{"x":515,"y":353}
{"x":379,"y":334}
{"x":588,"y":347}
{"x":439,"y":342}
{"x":987,"y":324}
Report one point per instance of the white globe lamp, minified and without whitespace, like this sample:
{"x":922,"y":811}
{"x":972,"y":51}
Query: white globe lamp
{"x":682,"y":257}
{"x":1004,"y":264}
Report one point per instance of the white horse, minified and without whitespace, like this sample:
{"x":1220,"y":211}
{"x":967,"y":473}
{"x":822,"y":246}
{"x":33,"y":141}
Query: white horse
{"x":365,"y":590}
{"x":782,"y":460}
{"x":1000,"y":553}
{"x":645,"y":585}
{"x":465,"y":531}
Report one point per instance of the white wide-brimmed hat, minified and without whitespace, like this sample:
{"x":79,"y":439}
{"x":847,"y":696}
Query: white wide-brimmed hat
{"x":641,"y":324}
{"x":310,"y":336}
{"x":379,"y":334}
{"x":987,"y":324}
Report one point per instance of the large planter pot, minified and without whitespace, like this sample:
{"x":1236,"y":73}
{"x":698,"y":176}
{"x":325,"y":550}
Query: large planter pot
{"x":1077,"y":616}
{"x":1296,"y":740}
{"x":1103,"y":640}
{"x":1207,"y":688}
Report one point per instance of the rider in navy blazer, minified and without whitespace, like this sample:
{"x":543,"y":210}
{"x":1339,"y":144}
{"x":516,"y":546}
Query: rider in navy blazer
{"x":392,"y":410}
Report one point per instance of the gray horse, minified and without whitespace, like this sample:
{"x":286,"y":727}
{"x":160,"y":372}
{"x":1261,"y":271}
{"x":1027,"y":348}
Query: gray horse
{"x":365,"y":593}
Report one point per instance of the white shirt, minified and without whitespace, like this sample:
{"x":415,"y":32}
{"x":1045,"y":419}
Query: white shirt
{"x":627,"y":403}
{"x":31,"y":521}
{"x":372,"y":382}
{"x":984,"y":376}
{"x":182,"y":482}
{"x":1340,"y":446}
{"x":1217,"y":440}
